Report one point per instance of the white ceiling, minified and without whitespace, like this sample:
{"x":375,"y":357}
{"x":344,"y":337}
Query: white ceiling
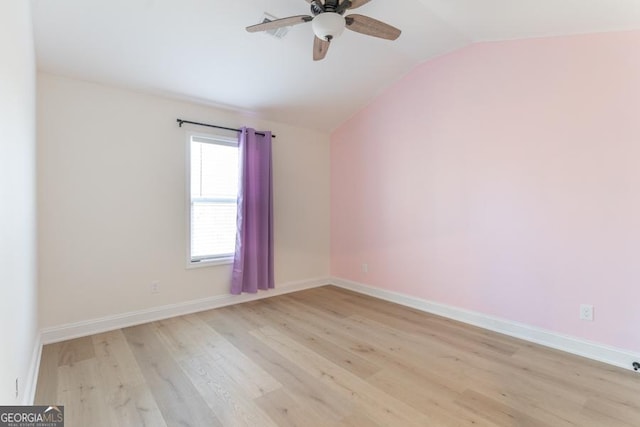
{"x":199,"y":49}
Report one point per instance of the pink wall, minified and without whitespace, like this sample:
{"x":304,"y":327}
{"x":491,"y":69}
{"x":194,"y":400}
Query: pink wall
{"x":503,"y":178}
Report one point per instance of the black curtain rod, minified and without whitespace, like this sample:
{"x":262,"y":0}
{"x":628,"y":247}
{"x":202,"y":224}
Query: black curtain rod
{"x":181,"y":122}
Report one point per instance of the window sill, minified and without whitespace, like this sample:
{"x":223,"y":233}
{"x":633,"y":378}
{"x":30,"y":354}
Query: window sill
{"x":209,"y":263}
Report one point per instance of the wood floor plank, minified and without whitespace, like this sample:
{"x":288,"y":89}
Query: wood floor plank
{"x":380,"y":405}
{"x":385,"y":350}
{"x":80,"y":390}
{"x":587,"y":377}
{"x":47,"y":385}
{"x":328,"y":357}
{"x":369,"y":344}
{"x":232,"y":406}
{"x":459,"y":365}
{"x":75,"y":350}
{"x":609,"y":412}
{"x":496,"y":412}
{"x":541,"y":400}
{"x":189,"y":337}
{"x":179,"y":401}
{"x":525,"y":385}
{"x":286,"y":323}
{"x":358,"y":420}
{"x":286,"y":411}
{"x":414,"y":322}
{"x":430,"y":398}
{"x":124,"y":388}
{"x":306,"y":391}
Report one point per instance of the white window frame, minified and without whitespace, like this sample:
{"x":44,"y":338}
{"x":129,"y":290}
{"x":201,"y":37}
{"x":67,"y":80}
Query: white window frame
{"x":220,"y":139}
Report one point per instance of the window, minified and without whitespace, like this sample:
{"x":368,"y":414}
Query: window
{"x":213,"y":192}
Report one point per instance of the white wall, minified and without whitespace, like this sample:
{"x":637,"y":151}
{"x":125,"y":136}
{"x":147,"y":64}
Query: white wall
{"x":111,"y":196}
{"x":18,"y":312}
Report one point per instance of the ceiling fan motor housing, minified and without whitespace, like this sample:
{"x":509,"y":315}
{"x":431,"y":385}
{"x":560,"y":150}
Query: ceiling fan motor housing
{"x":329,"y":25}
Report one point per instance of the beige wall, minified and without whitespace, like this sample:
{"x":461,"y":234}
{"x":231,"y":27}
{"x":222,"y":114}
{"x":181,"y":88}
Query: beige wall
{"x":111,"y":175}
{"x":18,"y":313}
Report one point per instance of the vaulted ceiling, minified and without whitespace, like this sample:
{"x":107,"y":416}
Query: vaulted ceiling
{"x":199,"y":49}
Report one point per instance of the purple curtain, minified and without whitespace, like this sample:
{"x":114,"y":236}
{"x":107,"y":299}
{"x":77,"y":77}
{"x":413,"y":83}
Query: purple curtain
{"x":253,"y":261}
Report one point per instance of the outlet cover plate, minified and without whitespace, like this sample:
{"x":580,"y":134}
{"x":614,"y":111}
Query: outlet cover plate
{"x":586,"y":312}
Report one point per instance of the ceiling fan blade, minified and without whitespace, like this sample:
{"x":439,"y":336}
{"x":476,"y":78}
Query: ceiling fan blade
{"x":371,"y":27}
{"x":279,"y":23}
{"x":320,"y":48}
{"x":357,"y":3}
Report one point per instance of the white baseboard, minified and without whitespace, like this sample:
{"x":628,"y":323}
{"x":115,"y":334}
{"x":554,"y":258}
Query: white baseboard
{"x":29,"y":393}
{"x":591,"y":350}
{"x":110,"y":323}
{"x":600,"y":352}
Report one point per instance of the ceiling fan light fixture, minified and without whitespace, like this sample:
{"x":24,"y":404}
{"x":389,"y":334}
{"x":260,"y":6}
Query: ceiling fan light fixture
{"x":329,"y":25}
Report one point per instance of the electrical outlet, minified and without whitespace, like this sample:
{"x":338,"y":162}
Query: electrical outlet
{"x":155,"y":287}
{"x":586,"y":312}
{"x":365,"y":268}
{"x":17,"y":388}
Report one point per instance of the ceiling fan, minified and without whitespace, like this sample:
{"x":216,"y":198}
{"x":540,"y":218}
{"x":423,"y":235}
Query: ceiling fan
{"x":328,"y":23}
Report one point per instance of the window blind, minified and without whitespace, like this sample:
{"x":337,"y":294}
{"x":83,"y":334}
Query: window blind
{"x":214,"y":192}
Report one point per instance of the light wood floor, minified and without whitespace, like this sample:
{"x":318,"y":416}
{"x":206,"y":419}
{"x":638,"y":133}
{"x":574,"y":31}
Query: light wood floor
{"x":327,"y":357}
